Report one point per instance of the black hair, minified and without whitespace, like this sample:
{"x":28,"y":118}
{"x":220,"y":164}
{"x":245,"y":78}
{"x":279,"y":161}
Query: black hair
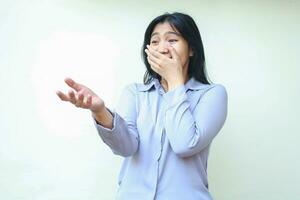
{"x":188,"y":29}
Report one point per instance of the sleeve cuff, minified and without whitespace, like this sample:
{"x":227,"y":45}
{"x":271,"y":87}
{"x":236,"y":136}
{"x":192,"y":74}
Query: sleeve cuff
{"x":104,"y":130}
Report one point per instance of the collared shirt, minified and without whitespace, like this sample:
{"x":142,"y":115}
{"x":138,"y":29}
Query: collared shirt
{"x":165,"y":138}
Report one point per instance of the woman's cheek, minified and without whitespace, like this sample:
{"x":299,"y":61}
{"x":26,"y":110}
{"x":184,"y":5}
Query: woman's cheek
{"x":176,"y":47}
{"x":178,"y":51}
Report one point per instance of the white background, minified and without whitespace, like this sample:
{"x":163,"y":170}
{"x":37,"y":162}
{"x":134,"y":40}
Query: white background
{"x":49,"y":150}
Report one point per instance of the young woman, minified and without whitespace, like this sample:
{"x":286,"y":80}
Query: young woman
{"x":164,"y":127}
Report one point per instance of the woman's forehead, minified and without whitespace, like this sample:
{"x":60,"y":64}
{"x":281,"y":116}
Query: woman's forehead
{"x":164,"y":29}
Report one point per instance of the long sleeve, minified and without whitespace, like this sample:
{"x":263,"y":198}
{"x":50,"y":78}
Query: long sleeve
{"x":191,"y":131}
{"x":123,"y":138}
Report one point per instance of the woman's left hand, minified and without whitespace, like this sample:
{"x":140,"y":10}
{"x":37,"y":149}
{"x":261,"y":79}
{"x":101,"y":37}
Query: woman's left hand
{"x":170,"y":69}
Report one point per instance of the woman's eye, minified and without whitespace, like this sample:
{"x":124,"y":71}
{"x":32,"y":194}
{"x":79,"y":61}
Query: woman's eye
{"x":172,"y":40}
{"x":154,"y":42}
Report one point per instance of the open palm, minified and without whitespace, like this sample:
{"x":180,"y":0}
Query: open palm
{"x":82,"y":97}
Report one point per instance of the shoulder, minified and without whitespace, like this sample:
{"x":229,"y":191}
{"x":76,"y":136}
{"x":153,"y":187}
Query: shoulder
{"x":140,"y":87}
{"x":130,"y":88}
{"x":198,"y":86}
{"x":217,"y":91}
{"x":214,"y":90}
{"x":137,"y":87}
{"x":218,"y":88}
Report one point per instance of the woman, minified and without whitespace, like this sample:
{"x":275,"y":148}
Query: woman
{"x":164,"y":127}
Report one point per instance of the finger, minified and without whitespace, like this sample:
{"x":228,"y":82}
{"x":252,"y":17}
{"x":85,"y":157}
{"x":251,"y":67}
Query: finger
{"x":86,"y":103}
{"x":62,"y":96}
{"x":70,"y":82}
{"x":154,"y":66}
{"x":173,"y":52}
{"x":155,"y":53}
{"x":89,"y":101}
{"x":72,"y":98}
{"x":152,"y":58}
{"x":79,"y":101}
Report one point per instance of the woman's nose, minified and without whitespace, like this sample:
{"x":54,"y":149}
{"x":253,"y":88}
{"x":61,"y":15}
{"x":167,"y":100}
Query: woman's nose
{"x":163,"y":47}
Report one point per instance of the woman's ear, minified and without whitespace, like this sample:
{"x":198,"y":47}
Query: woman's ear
{"x":191,"y":53}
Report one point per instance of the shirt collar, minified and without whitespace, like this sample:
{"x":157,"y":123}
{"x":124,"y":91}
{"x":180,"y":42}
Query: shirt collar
{"x":143,"y":87}
{"x":191,"y":84}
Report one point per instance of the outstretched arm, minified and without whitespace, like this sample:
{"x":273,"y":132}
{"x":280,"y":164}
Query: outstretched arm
{"x":118,"y":133}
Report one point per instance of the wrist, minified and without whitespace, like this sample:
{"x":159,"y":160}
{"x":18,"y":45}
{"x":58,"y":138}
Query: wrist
{"x":99,"y":113}
{"x":104,"y":118}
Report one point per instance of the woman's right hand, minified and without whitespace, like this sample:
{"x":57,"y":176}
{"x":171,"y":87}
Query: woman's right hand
{"x":82,"y":97}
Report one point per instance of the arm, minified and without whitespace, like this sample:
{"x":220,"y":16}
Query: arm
{"x":118,"y":133}
{"x":190,"y":132}
{"x":122,"y":137}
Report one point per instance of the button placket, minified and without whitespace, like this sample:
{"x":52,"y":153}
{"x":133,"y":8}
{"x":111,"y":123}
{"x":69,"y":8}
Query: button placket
{"x":162,"y":129}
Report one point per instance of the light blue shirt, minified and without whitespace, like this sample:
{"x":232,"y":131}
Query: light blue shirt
{"x":165,"y":139}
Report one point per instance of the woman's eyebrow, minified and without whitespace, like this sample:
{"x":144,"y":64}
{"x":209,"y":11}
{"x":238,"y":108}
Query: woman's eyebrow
{"x":166,"y":33}
{"x":172,"y":32}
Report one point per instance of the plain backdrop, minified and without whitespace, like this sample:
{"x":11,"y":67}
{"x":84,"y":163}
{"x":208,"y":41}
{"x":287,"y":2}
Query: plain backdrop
{"x":50,"y":150}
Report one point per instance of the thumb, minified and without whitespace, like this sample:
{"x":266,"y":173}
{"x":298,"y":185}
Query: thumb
{"x":70,"y":82}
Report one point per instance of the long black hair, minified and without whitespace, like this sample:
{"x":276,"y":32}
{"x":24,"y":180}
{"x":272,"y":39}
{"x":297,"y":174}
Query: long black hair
{"x":188,"y":29}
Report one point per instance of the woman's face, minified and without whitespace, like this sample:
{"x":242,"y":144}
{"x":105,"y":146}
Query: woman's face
{"x":164,"y":35}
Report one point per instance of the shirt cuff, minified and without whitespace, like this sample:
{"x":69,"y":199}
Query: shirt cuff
{"x":104,"y":130}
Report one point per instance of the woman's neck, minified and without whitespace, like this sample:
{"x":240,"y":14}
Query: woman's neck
{"x":164,"y":83}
